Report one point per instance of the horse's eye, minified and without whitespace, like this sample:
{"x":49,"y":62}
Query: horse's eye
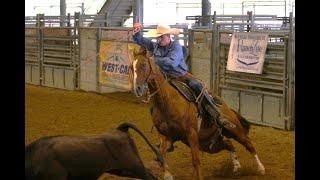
{"x":144,"y":67}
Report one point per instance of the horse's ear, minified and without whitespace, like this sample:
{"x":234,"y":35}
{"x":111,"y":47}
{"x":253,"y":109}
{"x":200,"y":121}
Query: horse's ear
{"x":143,"y":50}
{"x":149,"y":54}
{"x":140,"y":50}
{"x":137,"y":50}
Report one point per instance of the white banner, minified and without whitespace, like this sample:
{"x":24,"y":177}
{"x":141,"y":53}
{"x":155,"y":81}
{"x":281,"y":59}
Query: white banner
{"x":247,"y":52}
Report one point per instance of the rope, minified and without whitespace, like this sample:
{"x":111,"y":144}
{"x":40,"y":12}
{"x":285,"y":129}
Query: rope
{"x":200,"y":95}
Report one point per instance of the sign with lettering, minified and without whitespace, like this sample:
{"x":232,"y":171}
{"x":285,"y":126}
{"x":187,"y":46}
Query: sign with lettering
{"x":115,"y":61}
{"x":247,"y":52}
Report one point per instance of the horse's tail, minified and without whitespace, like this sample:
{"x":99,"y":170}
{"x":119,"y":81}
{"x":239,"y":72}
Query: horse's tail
{"x":244,"y":122}
{"x":124,"y":128}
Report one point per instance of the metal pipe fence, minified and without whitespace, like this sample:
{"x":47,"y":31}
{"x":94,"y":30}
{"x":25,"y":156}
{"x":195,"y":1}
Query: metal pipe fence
{"x":59,"y":56}
{"x":266,"y":99}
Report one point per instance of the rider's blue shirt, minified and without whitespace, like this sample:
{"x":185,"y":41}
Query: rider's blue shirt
{"x":170,"y":59}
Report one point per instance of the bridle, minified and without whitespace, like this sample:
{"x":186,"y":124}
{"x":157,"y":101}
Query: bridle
{"x":151,"y":77}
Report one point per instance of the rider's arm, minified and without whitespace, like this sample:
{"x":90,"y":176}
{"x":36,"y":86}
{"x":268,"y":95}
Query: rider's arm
{"x":142,"y":41}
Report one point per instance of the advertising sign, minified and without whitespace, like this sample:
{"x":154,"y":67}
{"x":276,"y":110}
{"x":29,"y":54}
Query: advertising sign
{"x":115,"y":61}
{"x":247,"y":51}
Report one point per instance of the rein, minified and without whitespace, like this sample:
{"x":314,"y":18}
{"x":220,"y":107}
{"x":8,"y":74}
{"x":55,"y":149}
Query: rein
{"x":150,"y":77}
{"x":155,"y":92}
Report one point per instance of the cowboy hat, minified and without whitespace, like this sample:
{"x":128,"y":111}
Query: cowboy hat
{"x":161,"y":30}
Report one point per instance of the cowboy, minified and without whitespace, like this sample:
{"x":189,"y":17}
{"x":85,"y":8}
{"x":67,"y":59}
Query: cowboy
{"x":168,"y":54}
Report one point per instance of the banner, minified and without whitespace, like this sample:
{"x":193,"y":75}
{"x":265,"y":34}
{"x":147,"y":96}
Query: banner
{"x":247,"y":52}
{"x":115,"y":64}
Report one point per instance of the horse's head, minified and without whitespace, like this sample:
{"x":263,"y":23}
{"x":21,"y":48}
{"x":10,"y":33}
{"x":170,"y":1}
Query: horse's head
{"x":141,"y":71}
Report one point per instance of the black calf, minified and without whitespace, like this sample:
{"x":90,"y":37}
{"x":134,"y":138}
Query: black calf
{"x":87,"y":157}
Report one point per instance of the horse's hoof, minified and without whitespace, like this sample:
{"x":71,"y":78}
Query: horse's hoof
{"x":262,"y":171}
{"x":236,"y":171}
{"x":168,"y":178}
{"x":236,"y":168}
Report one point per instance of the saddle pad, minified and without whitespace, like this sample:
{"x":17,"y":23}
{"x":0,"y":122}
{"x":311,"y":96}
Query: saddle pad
{"x":183,"y":89}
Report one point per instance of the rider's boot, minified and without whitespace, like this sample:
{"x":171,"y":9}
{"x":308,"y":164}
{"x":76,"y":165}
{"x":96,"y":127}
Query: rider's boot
{"x":212,"y":108}
{"x":221,"y":119}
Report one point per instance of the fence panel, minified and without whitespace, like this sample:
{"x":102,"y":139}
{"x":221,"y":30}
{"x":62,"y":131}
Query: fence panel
{"x":52,"y":57}
{"x":200,"y":55}
{"x":60,"y":57}
{"x":259,"y":98}
{"x":266,"y":99}
{"x":88,"y":59}
{"x":32,"y":56}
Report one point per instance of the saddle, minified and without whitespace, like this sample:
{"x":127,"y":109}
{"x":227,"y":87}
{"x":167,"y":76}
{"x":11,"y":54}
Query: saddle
{"x":183,"y":89}
{"x":189,"y":94}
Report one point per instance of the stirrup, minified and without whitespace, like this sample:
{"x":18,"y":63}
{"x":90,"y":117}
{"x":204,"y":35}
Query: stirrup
{"x":217,"y":118}
{"x":220,"y":120}
{"x":214,"y":113}
{"x":226,"y":123}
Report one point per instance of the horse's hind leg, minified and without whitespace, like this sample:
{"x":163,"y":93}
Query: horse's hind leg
{"x":246,"y":142}
{"x":227,"y":145}
{"x":165,"y":144}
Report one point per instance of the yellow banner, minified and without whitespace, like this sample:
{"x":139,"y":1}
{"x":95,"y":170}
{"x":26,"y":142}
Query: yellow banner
{"x":115,"y":64}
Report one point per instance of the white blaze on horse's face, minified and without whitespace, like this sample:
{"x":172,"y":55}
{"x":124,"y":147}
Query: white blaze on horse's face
{"x":135,"y":76}
{"x":138,"y":88}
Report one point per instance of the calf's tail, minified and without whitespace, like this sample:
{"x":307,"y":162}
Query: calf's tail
{"x":124,"y":128}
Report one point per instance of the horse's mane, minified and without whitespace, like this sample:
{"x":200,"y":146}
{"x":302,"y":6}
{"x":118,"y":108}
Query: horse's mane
{"x":149,"y":55}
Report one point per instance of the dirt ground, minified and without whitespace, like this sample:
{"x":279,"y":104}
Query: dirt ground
{"x":55,"y":112}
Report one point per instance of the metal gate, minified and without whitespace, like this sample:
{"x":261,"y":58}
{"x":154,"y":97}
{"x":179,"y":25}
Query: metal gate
{"x":52,"y":57}
{"x":263,"y":99}
{"x":32,"y":56}
{"x":266,"y":99}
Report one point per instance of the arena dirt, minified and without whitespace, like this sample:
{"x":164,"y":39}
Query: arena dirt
{"x":52,"y":111}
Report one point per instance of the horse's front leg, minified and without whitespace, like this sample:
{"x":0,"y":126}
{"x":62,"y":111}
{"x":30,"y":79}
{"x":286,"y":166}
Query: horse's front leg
{"x":193,"y":140}
{"x":165,"y":144}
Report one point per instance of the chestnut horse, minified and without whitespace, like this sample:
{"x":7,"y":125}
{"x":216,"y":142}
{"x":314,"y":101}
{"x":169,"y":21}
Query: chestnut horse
{"x":175,"y":118}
